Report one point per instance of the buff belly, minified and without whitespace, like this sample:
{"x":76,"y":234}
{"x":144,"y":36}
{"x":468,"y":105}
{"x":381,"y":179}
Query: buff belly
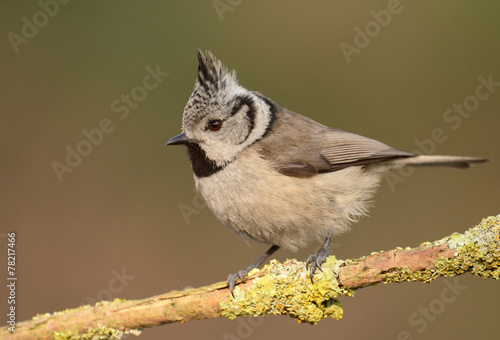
{"x":264,"y":205}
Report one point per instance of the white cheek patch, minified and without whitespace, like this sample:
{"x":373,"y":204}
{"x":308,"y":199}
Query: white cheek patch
{"x":241,"y":132}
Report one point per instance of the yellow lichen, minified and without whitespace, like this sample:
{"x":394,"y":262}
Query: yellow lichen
{"x":477,"y":251}
{"x":99,"y":333}
{"x":287,"y":289}
{"x":92,"y":333}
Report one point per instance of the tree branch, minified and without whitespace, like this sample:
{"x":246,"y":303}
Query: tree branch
{"x":279,"y":288}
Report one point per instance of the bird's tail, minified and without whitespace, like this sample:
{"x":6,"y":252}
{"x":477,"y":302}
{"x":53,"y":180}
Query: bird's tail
{"x":438,"y":160}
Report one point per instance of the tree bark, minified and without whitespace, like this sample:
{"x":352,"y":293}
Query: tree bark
{"x":279,"y":288}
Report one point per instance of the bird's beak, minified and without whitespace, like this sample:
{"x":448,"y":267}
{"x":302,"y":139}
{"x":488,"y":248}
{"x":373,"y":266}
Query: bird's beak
{"x":179,"y":139}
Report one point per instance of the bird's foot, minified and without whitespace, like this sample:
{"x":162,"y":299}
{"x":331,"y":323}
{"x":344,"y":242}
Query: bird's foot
{"x":232,"y":278}
{"x":316,"y":260}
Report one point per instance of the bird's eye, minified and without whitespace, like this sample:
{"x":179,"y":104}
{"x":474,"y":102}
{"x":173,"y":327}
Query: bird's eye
{"x":215,"y":125}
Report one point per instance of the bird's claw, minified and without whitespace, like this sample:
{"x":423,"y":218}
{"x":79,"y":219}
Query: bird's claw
{"x":315,"y":261}
{"x":232,"y":278}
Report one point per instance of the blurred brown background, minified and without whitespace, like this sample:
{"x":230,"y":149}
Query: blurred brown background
{"x":118,"y":211}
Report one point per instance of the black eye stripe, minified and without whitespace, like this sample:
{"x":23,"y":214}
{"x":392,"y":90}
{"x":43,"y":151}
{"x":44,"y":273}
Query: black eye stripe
{"x":248,"y":101}
{"x":251,"y":117}
{"x":242,"y":101}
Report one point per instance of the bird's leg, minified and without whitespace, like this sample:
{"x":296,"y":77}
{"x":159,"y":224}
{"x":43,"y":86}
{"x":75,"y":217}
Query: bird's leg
{"x":231,"y":280}
{"x":316,"y":260}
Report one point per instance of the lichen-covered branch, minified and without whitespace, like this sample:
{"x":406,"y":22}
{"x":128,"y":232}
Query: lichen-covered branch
{"x":279,"y":288}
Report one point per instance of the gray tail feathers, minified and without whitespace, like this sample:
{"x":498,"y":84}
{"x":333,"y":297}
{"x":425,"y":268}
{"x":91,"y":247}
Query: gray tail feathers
{"x":438,"y":160}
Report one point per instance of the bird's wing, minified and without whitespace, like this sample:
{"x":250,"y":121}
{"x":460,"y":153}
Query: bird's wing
{"x":343,"y":149}
{"x":301,"y":147}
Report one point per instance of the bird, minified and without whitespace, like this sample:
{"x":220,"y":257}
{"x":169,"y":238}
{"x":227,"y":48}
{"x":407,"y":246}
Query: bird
{"x":277,"y":177}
